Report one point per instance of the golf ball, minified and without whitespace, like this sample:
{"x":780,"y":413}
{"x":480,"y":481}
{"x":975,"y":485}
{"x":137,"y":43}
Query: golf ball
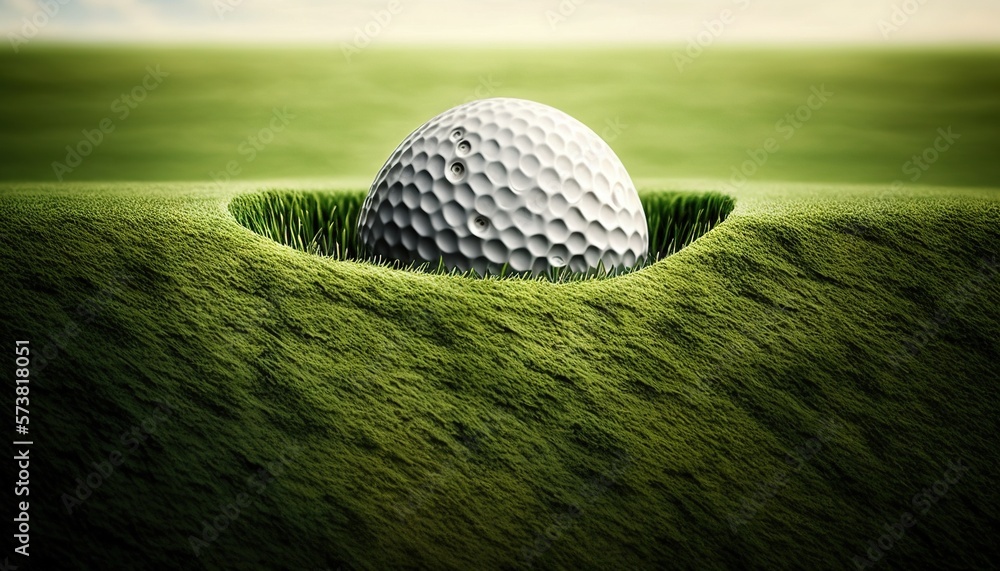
{"x":505,"y":185}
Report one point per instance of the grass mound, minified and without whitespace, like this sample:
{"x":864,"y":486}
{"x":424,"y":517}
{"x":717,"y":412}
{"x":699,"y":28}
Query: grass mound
{"x":774,"y":396}
{"x":325,"y":223}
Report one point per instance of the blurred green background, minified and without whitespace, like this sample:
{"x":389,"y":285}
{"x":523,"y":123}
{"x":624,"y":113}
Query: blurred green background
{"x":887,"y":105}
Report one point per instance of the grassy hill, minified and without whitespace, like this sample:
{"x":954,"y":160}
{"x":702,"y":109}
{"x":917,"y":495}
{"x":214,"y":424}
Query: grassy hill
{"x":776,"y":395}
{"x":810,"y":383}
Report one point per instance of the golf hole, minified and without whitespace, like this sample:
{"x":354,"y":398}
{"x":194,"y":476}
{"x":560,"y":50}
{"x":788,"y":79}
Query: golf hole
{"x":325,"y":223}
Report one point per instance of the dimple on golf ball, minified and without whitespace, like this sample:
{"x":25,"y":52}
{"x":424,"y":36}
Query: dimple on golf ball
{"x":505,"y":185}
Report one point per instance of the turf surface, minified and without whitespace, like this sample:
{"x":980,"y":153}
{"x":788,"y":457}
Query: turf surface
{"x":776,"y":395}
{"x":771,"y":396}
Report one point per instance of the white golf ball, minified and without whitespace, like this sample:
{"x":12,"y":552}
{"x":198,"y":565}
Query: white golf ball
{"x":505,"y":185}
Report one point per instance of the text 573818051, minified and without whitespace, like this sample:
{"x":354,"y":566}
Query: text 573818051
{"x":22,"y":379}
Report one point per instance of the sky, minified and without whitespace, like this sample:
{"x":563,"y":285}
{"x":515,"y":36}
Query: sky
{"x":504,"y":22}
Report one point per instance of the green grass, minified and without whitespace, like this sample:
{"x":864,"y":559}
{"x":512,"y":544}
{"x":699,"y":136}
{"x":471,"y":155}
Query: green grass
{"x":770,"y":396}
{"x":325,"y":224}
{"x":887,"y":106}
{"x":676,"y":219}
{"x":844,"y":336}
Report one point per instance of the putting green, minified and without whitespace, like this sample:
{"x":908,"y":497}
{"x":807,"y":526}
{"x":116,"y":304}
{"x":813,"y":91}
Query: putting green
{"x":772,"y":396}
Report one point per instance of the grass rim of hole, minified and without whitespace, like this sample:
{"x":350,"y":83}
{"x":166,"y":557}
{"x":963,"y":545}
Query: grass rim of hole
{"x":324,"y":223}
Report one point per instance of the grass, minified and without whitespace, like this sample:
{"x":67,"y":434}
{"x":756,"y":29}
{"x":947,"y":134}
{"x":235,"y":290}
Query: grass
{"x":887,"y":106}
{"x":773,"y":395}
{"x":676,"y":219}
{"x":325,"y":224}
{"x":838,"y":340}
